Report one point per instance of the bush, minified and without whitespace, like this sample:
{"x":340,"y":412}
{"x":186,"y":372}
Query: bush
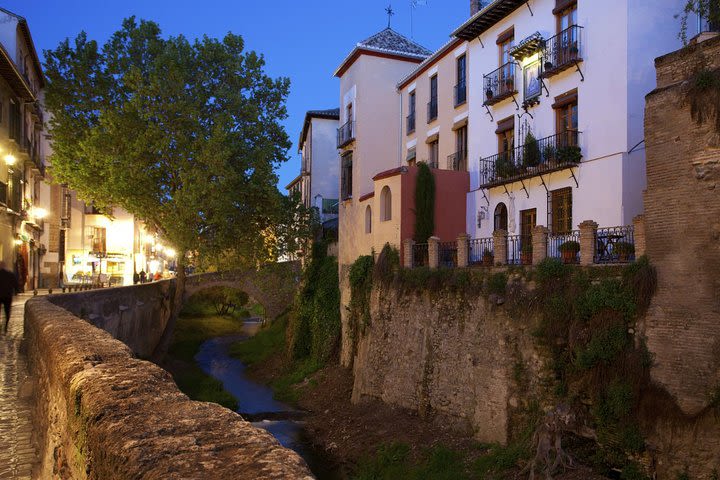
{"x":531,"y":151}
{"x":641,"y":278}
{"x":361,"y":282}
{"x":608,"y":295}
{"x":623,"y":248}
{"x":550,"y":271}
{"x":571,"y":246}
{"x":604,"y":347}
{"x":424,"y":204}
{"x":497,"y":283}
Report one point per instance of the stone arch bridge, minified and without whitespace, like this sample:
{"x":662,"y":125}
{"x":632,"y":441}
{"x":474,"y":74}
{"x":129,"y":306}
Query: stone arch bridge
{"x":272,"y":285}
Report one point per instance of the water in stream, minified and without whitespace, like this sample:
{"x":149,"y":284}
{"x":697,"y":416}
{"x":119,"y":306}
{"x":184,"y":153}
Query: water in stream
{"x":256,"y":401}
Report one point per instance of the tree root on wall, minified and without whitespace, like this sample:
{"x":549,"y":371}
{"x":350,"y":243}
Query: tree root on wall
{"x":547,"y":442}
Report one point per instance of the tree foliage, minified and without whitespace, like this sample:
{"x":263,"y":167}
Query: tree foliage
{"x":185,"y":135}
{"x":424,"y":204}
{"x":225,"y":300}
{"x":707,"y":9}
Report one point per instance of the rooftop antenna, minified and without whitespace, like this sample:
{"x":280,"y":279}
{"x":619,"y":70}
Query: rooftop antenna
{"x":413,"y":5}
{"x":390,"y":13}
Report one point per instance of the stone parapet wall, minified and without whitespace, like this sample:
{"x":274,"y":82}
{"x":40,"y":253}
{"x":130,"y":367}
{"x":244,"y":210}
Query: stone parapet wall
{"x":100,"y":413}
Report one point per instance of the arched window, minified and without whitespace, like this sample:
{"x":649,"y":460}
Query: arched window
{"x":385,"y":204}
{"x":368,"y":219}
{"x":501,"y":217}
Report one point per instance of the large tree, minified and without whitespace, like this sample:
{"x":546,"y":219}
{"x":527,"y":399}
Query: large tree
{"x":185,"y":135}
{"x":707,"y":9}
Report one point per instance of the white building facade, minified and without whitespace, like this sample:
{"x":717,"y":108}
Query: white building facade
{"x":556,"y":100}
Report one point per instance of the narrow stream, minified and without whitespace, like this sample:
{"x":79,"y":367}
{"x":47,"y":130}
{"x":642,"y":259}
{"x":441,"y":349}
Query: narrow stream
{"x":256,"y":402}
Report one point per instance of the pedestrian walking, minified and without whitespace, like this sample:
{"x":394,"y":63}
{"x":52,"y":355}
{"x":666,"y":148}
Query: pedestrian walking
{"x":8,"y":288}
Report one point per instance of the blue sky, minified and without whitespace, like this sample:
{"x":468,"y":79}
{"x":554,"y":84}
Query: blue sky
{"x":304,"y":41}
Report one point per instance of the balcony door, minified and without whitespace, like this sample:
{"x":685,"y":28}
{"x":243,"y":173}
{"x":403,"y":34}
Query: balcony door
{"x":567,"y":123}
{"x":528,"y":220}
{"x":561,"y":211}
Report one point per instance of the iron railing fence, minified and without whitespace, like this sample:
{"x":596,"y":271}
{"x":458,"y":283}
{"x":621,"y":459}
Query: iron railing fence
{"x":421,"y":256}
{"x":458,"y":161}
{"x":561,"y":150}
{"x":565,"y":246}
{"x":460,"y":93}
{"x":499,"y":83}
{"x":345,"y":134}
{"x":615,"y":244}
{"x":562,"y":51}
{"x":447,"y":254}
{"x":481,"y":251}
{"x":514,"y":247}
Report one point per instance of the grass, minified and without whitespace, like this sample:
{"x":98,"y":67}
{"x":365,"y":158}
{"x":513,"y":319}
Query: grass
{"x":197,"y":323}
{"x":392,"y":462}
{"x":285,"y":386}
{"x":269,"y":341}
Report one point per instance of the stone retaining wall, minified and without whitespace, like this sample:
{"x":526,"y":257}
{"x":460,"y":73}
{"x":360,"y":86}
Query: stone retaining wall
{"x":101,"y":413}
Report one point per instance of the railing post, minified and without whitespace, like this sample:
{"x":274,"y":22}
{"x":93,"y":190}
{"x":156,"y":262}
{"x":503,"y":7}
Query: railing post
{"x":408,"y":252}
{"x":588,"y":242}
{"x":433,"y":252}
{"x":462,"y":250}
{"x":539,"y":243}
{"x":639,"y":234}
{"x":500,"y":246}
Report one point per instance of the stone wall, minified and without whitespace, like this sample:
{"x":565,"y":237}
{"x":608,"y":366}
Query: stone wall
{"x":682,"y":217}
{"x":457,"y":357}
{"x":136,"y":315}
{"x":100,"y":413}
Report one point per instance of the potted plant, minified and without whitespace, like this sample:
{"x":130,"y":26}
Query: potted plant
{"x":569,"y":251}
{"x":509,"y":84}
{"x":531,"y":152}
{"x":623,"y":250}
{"x":568,"y":154}
{"x":548,"y":154}
{"x":526,"y":254}
{"x":488,"y":258}
{"x":489,"y":93}
{"x":548,"y":65}
{"x":505,"y":167}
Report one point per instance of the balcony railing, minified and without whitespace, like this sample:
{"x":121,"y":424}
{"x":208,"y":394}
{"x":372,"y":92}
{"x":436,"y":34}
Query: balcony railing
{"x":562,"y":51}
{"x":410,"y":123}
{"x":565,"y":246}
{"x":447,"y":254}
{"x":458,"y":161}
{"x":615,"y":244}
{"x":499,"y":84}
{"x":345,"y":134}
{"x":556,"y":152}
{"x":432,"y":110}
{"x":481,"y":251}
{"x":420,"y":255}
{"x":460,"y":94}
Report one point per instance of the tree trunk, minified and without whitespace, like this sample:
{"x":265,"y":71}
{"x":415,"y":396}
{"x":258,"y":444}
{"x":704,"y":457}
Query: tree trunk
{"x":177,"y":304}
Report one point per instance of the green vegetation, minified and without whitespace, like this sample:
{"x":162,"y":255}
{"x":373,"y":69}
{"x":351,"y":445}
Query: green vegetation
{"x":225,"y":300}
{"x":392,"y":462}
{"x":706,"y":9}
{"x":531,"y":151}
{"x":424,"y":204}
{"x":198,"y":322}
{"x":269,"y":341}
{"x":497,"y":283}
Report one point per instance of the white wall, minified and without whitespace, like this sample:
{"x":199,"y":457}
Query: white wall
{"x":325,"y":174}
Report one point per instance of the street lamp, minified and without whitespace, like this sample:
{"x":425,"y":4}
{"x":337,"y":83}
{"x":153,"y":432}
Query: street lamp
{"x":39,"y":213}
{"x":10,"y":159}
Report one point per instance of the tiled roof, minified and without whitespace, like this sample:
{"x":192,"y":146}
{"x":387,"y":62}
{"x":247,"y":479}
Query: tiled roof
{"x":330,"y":114}
{"x":387,"y":42}
{"x":392,"y":42}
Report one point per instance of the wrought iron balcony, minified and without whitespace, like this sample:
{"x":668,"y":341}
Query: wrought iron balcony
{"x":545,"y":155}
{"x":410,"y":123}
{"x":562,"y":51}
{"x":500,"y":84}
{"x":432,"y":110}
{"x":345,"y":134}
{"x":460,"y":94}
{"x":458,"y":161}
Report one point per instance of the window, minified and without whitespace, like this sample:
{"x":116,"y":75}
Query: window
{"x":385,"y":204}
{"x":506,"y":42}
{"x":561,"y":210}
{"x":567,"y":17}
{"x":506,"y":135}
{"x":434,"y":153}
{"x":566,"y":111}
{"x":368,"y":219}
{"x":528,"y":220}
{"x":459,"y":159}
{"x":411,"y":113}
{"x":433,"y":104}
{"x":346,"y":176}
{"x":461,"y":87}
{"x":97,"y":240}
{"x":501,"y":217}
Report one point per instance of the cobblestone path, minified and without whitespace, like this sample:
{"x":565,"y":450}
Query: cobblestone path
{"x":17,"y":454}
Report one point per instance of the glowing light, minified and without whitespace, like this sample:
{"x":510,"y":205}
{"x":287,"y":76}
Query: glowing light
{"x":39,"y":213}
{"x":170,"y":252}
{"x":10,"y":159}
{"x":18,"y":241}
{"x":159,"y":248}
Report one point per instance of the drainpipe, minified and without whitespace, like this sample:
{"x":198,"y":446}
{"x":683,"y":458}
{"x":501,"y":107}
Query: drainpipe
{"x":400,"y":130}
